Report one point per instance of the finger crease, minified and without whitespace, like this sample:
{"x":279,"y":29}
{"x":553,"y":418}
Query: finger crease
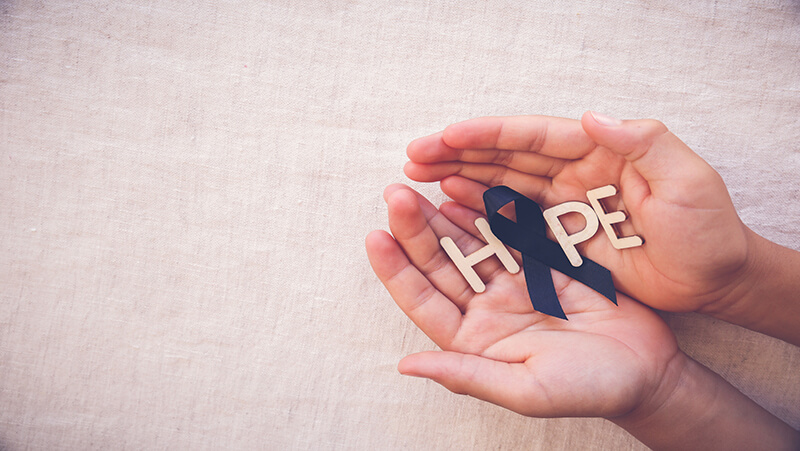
{"x":503,"y":158}
{"x":422,"y":298}
{"x":539,"y":141}
{"x":498,"y":177}
{"x":435,"y":263}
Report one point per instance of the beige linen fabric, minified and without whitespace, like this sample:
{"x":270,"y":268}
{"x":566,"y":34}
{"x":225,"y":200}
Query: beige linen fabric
{"x":185,"y":188}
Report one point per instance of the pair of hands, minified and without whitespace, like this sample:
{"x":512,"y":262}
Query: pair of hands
{"x":620,"y":362}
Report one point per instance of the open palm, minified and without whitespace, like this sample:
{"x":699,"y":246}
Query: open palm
{"x":695,"y":242}
{"x":607,"y":360}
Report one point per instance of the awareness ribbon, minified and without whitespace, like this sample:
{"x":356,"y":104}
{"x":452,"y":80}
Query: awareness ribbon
{"x":539,"y":254}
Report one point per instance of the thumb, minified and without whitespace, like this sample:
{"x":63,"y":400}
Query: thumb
{"x":647,"y":144}
{"x":671,"y":170}
{"x":466,"y":374}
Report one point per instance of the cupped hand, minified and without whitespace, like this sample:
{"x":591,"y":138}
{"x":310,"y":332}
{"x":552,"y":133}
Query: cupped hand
{"x":607,"y":360}
{"x":697,"y":253}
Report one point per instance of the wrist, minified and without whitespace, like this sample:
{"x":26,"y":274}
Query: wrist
{"x":742,"y":285}
{"x":694,"y":408}
{"x":666,"y":402}
{"x":764,"y":294}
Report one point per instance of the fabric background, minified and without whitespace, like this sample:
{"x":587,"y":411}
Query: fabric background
{"x":185,"y":188}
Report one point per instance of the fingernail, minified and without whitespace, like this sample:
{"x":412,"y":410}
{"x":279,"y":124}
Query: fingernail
{"x":608,"y":121}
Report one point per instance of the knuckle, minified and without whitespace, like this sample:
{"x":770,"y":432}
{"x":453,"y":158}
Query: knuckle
{"x":652,"y":127}
{"x":503,"y":158}
{"x":498,"y":176}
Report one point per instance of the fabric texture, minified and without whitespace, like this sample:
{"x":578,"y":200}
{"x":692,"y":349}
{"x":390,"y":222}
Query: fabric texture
{"x":185,"y":188}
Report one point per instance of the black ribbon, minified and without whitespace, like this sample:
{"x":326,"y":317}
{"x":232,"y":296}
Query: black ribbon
{"x":539,"y":254}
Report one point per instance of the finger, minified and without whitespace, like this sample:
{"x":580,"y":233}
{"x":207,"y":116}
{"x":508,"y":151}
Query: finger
{"x":423,"y":172}
{"x":442,"y":227}
{"x":420,"y":242}
{"x":432,"y":149}
{"x":497,"y":382}
{"x":465,"y":218}
{"x":461,"y":216}
{"x":430,"y":310}
{"x":522,"y":161}
{"x":466,"y":192}
{"x":549,"y":136}
{"x":469,"y":193}
{"x":487,"y":174}
{"x":428,"y":209}
{"x":671,"y":169}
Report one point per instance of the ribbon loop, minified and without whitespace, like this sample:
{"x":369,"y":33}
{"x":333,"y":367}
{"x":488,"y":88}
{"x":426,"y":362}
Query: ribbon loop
{"x":528,"y":235}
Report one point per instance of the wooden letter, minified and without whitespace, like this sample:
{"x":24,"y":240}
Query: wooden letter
{"x":607,"y":219}
{"x":465,"y":264}
{"x":568,"y":242}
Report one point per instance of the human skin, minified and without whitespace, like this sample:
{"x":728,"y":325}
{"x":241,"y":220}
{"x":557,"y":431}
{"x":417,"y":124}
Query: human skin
{"x":698,"y":255}
{"x":617,"y":362}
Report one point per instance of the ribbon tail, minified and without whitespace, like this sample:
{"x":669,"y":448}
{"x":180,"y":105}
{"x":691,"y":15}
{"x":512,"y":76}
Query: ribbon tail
{"x":541,"y":290}
{"x":594,"y":276}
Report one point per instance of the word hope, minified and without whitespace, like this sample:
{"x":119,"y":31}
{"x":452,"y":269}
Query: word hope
{"x":594,"y":215}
